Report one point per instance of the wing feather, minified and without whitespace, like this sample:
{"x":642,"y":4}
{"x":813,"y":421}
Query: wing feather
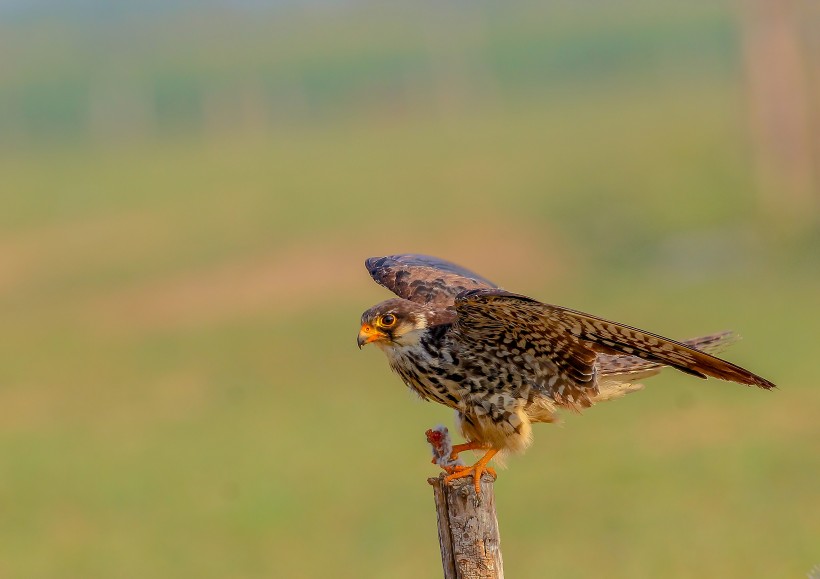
{"x":631,"y":366}
{"x":424,"y":279}
{"x":566,"y":336}
{"x":559,"y":365}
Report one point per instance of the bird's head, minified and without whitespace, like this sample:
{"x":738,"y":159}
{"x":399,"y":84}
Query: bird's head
{"x":396,"y":322}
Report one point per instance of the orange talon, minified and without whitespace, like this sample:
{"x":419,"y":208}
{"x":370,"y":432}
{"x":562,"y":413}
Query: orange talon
{"x":447,"y":468}
{"x":474,"y":471}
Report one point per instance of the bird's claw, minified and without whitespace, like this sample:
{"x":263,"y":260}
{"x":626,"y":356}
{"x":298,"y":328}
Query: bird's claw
{"x":475,"y":471}
{"x":452,"y":469}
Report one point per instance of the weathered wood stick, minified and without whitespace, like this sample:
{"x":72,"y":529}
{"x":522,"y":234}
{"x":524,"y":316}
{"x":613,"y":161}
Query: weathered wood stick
{"x":467,"y":529}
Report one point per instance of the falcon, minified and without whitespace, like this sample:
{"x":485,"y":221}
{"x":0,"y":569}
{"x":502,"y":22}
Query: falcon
{"x":504,"y":361}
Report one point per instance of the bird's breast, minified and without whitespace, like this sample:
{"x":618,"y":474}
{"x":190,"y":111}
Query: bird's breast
{"x":426,"y":370}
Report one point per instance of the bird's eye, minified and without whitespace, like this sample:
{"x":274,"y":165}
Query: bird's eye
{"x":388,"y":320}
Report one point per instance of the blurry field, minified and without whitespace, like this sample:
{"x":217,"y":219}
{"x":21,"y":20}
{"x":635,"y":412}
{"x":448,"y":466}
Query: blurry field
{"x":180,"y":391}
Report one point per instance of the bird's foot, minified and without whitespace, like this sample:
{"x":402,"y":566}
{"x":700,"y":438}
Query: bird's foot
{"x":474,"y":471}
{"x":455,"y":468}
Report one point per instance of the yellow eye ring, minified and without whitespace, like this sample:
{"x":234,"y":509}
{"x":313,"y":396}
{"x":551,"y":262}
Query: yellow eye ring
{"x":387,"y":320}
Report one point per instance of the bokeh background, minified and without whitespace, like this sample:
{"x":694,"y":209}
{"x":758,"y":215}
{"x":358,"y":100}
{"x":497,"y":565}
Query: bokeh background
{"x":189,"y":190}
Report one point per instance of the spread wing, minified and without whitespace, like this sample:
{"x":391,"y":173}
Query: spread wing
{"x":540,"y":337}
{"x":424,"y":279}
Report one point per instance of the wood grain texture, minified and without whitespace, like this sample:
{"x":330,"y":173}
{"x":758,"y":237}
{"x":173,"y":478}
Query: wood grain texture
{"x":468,"y":529}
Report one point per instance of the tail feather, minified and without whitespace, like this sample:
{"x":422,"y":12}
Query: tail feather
{"x":618,"y":375}
{"x":635,"y":367}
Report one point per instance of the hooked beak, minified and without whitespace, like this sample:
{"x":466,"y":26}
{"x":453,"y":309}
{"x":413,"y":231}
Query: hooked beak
{"x":369,"y":334}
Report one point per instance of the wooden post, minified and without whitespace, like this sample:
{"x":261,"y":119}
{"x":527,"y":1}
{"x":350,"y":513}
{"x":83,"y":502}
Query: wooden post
{"x":468,"y":529}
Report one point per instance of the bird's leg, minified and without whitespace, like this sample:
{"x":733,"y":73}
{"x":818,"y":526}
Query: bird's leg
{"x":475,"y":471}
{"x":453,"y":456}
{"x":459,"y":448}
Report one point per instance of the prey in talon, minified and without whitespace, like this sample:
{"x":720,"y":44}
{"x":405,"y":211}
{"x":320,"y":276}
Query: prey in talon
{"x":442,"y":447}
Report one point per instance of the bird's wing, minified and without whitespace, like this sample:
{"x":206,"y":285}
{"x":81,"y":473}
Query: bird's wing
{"x":571,"y":341}
{"x":629,"y":366}
{"x":519,"y":338}
{"x":424,"y":279}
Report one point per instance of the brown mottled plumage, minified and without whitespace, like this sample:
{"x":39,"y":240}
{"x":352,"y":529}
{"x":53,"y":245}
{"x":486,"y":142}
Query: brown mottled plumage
{"x":504,"y":361}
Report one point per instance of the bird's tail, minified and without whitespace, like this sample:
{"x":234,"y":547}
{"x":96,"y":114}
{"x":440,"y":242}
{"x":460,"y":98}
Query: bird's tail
{"x":618,"y":374}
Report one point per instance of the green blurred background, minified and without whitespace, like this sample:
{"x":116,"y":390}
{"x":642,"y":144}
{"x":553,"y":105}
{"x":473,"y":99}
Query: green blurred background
{"x":189,"y":190}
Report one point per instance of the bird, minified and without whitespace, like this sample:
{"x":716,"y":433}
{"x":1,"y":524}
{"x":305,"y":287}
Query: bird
{"x":504,"y":361}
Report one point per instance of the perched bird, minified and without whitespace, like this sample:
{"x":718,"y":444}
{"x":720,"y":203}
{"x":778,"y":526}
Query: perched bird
{"x":504,"y":361}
